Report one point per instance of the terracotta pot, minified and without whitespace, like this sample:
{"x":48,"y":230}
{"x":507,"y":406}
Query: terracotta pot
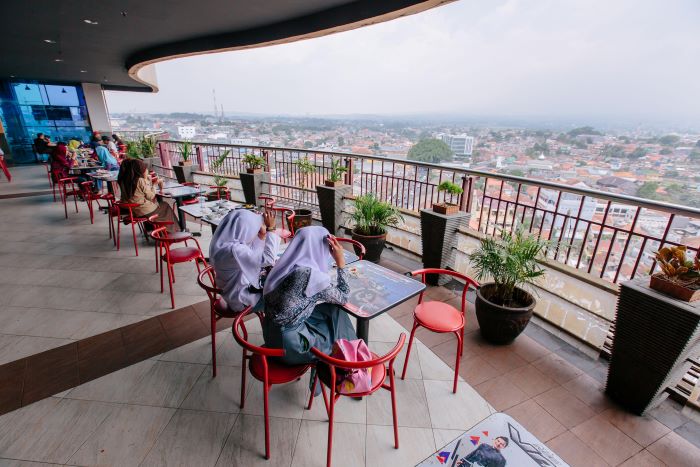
{"x":254,"y":171}
{"x":660,"y":283}
{"x":302,"y":218}
{"x":333,"y":184}
{"x":374,"y":244}
{"x":186,"y":163}
{"x":445,"y":208}
{"x":502,"y":324}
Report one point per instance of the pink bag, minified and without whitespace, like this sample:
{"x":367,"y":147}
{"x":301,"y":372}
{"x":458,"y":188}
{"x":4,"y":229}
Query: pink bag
{"x":352,"y":381}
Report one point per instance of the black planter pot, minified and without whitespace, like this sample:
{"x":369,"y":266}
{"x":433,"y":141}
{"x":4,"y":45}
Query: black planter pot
{"x":302,"y":218}
{"x":374,"y":244}
{"x":501,"y":324}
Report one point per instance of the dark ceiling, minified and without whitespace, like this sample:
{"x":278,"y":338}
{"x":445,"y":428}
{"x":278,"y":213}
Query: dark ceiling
{"x":131,"y":33}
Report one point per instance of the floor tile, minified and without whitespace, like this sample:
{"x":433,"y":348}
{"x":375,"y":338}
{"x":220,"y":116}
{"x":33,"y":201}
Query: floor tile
{"x":198,"y":351}
{"x":444,"y":437}
{"x":606,"y":440}
{"x":11,"y":384}
{"x":220,"y":394}
{"x":15,"y":347}
{"x":673,"y":450}
{"x":644,"y":430}
{"x":529,"y":349}
{"x":245,"y":445}
{"x":476,"y":370}
{"x":530,"y":380}
{"x":348,"y":444}
{"x":166,"y":384}
{"x":503,"y":358}
{"x":574,"y":451}
{"x":414,"y":369}
{"x":114,"y":387}
{"x":286,"y":400}
{"x":50,"y":372}
{"x":690,"y":431}
{"x":501,"y":393}
{"x":191,"y":438}
{"x":557,"y":368}
{"x":414,"y":443}
{"x":125,"y":437}
{"x":669,"y":413}
{"x":435,"y":367}
{"x":537,"y":420}
{"x":411,"y":405}
{"x":590,"y":391}
{"x":565,"y":407}
{"x":643,"y":459}
{"x":347,"y":409}
{"x":458,"y":411}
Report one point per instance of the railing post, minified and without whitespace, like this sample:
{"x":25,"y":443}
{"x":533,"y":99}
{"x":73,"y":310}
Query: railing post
{"x":200,"y":159}
{"x":466,"y":201}
{"x":266,"y":155}
{"x":348,"y":173}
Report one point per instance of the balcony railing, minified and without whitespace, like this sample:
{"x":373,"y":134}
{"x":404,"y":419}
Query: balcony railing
{"x":610,"y":236}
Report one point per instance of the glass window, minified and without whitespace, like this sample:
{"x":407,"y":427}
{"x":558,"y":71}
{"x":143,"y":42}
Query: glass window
{"x":62,"y":95}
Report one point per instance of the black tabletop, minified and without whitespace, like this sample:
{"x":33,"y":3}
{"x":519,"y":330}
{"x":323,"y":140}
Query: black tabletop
{"x":375,"y":289}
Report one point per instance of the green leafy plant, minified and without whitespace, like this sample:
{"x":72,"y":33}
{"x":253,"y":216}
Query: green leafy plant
{"x":511,"y":261}
{"x":337,"y":170}
{"x":305,"y":167}
{"x":253,"y":161}
{"x":372,"y":216}
{"x":133,"y":150}
{"x":147,"y":145}
{"x":220,"y":180}
{"x":186,"y":150}
{"x":451,"y":188}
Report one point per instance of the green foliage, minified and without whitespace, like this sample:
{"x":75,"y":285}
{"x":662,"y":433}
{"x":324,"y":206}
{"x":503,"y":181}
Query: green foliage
{"x":133,"y":150}
{"x":186,"y":150}
{"x":220,"y":181}
{"x":430,"y":150}
{"x":584,"y":130}
{"x":694,"y":156}
{"x":637,"y":153}
{"x":305,"y":166}
{"x":337,"y":170}
{"x":665,"y":152}
{"x":254,"y":161}
{"x":341,"y":141}
{"x":216,"y":165}
{"x":669,"y":140}
{"x":147,"y":145}
{"x":372,"y":216}
{"x":511,"y":261}
{"x":611,"y":150}
{"x":451,"y":188}
{"x":648,"y":191}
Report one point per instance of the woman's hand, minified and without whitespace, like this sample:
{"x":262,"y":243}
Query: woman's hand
{"x":269,"y":221}
{"x":336,"y":251}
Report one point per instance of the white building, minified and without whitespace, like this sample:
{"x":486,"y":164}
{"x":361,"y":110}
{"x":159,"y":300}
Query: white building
{"x":186,"y":132}
{"x":461,"y":145}
{"x":244,"y":141}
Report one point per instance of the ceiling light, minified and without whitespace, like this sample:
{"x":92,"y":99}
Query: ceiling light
{"x":89,"y":21}
{"x":83,"y":71}
{"x":63,"y":91}
{"x":49,"y":41}
{"x":57,"y":59}
{"x":27,"y":88}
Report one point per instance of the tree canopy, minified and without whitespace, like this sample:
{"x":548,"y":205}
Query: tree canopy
{"x":430,"y":150}
{"x":669,"y":140}
{"x":584,"y":130}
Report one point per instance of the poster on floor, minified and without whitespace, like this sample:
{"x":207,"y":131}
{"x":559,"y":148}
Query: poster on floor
{"x":497,"y":441}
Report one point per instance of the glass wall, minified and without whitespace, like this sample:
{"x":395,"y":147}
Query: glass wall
{"x":30,"y":107}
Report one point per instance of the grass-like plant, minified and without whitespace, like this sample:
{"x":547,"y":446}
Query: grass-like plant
{"x":511,"y":261}
{"x":219,"y":180}
{"x":186,"y":150}
{"x":337,"y":170}
{"x":133,"y":150}
{"x":372,"y":216}
{"x":254,"y":161}
{"x":147,"y":145}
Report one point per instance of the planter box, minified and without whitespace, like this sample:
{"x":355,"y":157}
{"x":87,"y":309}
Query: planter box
{"x":187,"y":163}
{"x":253,"y":171}
{"x":184,"y":172}
{"x":662,"y":284}
{"x":330,"y":203}
{"x":439,"y":238}
{"x":252,"y":186}
{"x":446,"y":208}
{"x":331,"y":184}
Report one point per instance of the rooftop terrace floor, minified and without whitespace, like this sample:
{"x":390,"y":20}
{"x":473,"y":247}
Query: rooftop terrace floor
{"x":66,"y":295}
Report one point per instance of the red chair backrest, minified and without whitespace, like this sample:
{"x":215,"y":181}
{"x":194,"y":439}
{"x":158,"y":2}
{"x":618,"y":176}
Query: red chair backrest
{"x":468,"y":282}
{"x":242,"y":339}
{"x":207,"y":281}
{"x":390,"y":356}
{"x":268,"y":200}
{"x":360,"y":246}
{"x":282,"y":213}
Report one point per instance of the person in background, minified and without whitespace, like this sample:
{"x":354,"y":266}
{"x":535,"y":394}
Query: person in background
{"x":242,"y":249}
{"x":301,"y":304}
{"x":60,"y":163}
{"x":95,"y":140}
{"x":106,"y":158}
{"x":136,"y":187}
{"x":43,"y":145}
{"x":107,"y":141}
{"x":121,"y":145}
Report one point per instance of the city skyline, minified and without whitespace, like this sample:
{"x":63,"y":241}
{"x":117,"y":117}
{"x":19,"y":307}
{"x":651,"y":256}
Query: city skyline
{"x":519,"y":59}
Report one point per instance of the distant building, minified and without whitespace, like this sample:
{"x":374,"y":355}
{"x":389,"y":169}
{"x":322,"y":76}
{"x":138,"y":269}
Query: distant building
{"x":244,"y":141}
{"x":461,"y":145}
{"x":186,"y":132}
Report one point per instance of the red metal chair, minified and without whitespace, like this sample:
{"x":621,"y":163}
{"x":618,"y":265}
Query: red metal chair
{"x":89,"y":196}
{"x":326,"y":370}
{"x":175,"y":255}
{"x":359,"y":248}
{"x":265,"y":368}
{"x":280,"y":214}
{"x":217,"y":305}
{"x":220,"y":192}
{"x":125,"y":212}
{"x":268,"y":201}
{"x":158,"y":250}
{"x":440,"y":317}
{"x":50,"y":176}
{"x":68,"y":186}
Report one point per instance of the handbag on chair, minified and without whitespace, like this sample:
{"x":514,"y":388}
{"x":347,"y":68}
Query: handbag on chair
{"x":352,"y":381}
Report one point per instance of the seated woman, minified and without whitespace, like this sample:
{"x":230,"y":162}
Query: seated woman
{"x":60,"y":164}
{"x":301,"y":303}
{"x":106,"y":158}
{"x":136,"y":187}
{"x":242,"y":248}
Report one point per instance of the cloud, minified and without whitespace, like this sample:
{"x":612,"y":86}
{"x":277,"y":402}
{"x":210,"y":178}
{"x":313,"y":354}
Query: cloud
{"x":508,"y":58}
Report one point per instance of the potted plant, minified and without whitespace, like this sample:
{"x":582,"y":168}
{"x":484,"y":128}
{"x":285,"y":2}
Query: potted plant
{"x":220,"y":181}
{"x":448,"y":188}
{"x":254,"y":162}
{"x":186,"y":153}
{"x":305,"y":168}
{"x":133,"y":150}
{"x":148,"y":146}
{"x":335,"y":178}
{"x":371,"y":218}
{"x":679,"y":276}
{"x":503,"y":307}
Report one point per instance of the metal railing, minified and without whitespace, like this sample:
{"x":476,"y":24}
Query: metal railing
{"x":607,"y":235}
{"x":135,"y":135}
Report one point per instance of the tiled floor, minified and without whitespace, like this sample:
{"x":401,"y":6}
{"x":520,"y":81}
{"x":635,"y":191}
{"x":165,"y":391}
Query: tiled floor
{"x":61,"y":281}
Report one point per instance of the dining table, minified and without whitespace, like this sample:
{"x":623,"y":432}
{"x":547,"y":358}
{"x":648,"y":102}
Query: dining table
{"x":179,"y":193}
{"x":210,"y":212}
{"x":108,"y":176}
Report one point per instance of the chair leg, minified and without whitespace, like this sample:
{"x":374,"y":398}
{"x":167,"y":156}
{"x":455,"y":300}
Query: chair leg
{"x":161,"y":278}
{"x":155,"y":252}
{"x":393,"y":405}
{"x":213,"y":343}
{"x":170,"y":284}
{"x":266,"y":403}
{"x":75,"y":200}
{"x":459,"y":355}
{"x":313,"y":389}
{"x":119,"y":232}
{"x":331,"y":409}
{"x":243,"y":378}
{"x":408,"y":349}
{"x":133,"y":234}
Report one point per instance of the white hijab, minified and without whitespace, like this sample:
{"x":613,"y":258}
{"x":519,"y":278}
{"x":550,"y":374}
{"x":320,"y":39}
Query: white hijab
{"x":309,"y":248}
{"x":236,"y":252}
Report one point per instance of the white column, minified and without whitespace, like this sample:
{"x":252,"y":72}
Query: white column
{"x":97,"y":108}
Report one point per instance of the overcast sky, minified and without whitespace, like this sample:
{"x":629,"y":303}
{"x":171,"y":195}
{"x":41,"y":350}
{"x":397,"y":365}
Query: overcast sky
{"x":600,"y":58}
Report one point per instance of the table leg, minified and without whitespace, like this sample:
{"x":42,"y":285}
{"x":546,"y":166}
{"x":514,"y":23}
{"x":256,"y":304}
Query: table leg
{"x":363,"y":329}
{"x":213,"y":228}
{"x":180,"y":215}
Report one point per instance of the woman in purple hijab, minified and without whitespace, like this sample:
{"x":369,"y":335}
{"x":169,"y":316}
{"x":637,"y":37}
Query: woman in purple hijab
{"x":244,"y":244}
{"x":301,"y":303}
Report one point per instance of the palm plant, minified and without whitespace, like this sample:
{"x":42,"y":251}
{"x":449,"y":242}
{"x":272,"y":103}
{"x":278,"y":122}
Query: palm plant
{"x":305,"y":167}
{"x":186,"y":150}
{"x":337,"y":170}
{"x":511,"y":261}
{"x":148,"y":146}
{"x":372,"y":216}
{"x":133,"y":150}
{"x":220,"y":180}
